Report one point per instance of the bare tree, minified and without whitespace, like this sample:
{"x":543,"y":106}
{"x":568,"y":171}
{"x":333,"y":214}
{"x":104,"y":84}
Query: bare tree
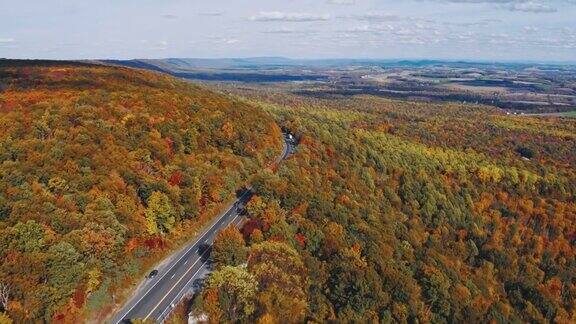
{"x":4,"y":294}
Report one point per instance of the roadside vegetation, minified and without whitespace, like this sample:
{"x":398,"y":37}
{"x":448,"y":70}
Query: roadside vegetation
{"x":102,"y":171}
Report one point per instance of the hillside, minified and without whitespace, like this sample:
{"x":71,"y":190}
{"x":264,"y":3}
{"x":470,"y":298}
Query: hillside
{"x":102,"y":171}
{"x":405,"y":212}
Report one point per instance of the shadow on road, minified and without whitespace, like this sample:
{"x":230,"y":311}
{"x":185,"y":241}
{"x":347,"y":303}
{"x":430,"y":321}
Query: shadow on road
{"x":240,"y":192}
{"x":204,"y":251}
{"x":198,"y":284}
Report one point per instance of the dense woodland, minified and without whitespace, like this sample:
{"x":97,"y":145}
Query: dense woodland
{"x":102,"y":171}
{"x":389,"y":211}
{"x":395,"y":211}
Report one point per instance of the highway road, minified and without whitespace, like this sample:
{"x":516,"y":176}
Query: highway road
{"x":155,"y":298}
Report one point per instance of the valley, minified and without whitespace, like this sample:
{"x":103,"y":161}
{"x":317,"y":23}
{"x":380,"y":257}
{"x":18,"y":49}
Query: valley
{"x":515,"y":87}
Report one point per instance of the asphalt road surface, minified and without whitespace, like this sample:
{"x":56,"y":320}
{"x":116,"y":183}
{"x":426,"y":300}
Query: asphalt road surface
{"x":157,"y":296}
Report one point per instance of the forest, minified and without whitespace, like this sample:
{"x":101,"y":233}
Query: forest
{"x":398,"y":211}
{"x":388,"y":211}
{"x":103,"y":171}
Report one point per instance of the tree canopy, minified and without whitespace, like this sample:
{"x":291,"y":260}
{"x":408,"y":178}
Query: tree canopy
{"x":104,"y":169}
{"x":394,"y":211}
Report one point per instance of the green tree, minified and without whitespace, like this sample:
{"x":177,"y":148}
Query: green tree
{"x":28,"y":237}
{"x":64,"y":271}
{"x":160,"y":213}
{"x":189,"y":141}
{"x":235,"y":290}
{"x":229,"y":248}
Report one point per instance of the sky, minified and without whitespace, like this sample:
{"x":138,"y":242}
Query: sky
{"x":492,"y":30}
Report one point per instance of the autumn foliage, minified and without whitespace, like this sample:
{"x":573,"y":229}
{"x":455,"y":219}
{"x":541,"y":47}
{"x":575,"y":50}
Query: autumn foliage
{"x":100,"y":167}
{"x":396,"y":211}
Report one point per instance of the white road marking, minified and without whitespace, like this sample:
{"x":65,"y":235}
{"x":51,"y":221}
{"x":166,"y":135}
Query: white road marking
{"x":177,"y":282}
{"x":194,"y":275}
{"x":248,"y":190}
{"x":183,"y":254}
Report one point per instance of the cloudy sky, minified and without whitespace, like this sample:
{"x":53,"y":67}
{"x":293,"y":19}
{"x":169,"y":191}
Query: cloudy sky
{"x":518,"y":30}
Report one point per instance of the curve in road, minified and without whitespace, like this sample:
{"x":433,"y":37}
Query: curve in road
{"x":158,"y":295}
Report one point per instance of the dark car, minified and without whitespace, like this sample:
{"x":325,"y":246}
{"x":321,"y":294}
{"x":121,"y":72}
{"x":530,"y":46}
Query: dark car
{"x":152,"y":274}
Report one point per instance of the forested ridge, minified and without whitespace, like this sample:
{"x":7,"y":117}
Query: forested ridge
{"x":395,"y":211}
{"x":389,"y":211}
{"x":102,"y":171}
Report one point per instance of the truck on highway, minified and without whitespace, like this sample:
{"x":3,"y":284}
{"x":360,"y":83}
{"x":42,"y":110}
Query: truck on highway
{"x":289,"y":137}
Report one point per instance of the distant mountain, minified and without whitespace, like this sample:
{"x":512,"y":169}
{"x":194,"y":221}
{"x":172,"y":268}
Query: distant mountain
{"x":281,"y":69}
{"x":267,"y":69}
{"x":178,"y":64}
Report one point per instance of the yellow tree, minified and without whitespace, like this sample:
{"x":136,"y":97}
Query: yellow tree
{"x":282,"y":280}
{"x":160,"y":214}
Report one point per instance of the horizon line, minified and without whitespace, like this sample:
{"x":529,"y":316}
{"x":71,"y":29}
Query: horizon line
{"x":392,"y":60}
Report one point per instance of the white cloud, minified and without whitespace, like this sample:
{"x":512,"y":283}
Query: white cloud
{"x":288,"y":17}
{"x":289,"y":31}
{"x":341,"y":2}
{"x":538,"y":6}
{"x":7,"y":43}
{"x":211,"y":14}
{"x":368,"y":29}
{"x":530,"y":6}
{"x":223,"y":40}
{"x":159,"y":46}
{"x":378,"y":16}
{"x":258,"y":27}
